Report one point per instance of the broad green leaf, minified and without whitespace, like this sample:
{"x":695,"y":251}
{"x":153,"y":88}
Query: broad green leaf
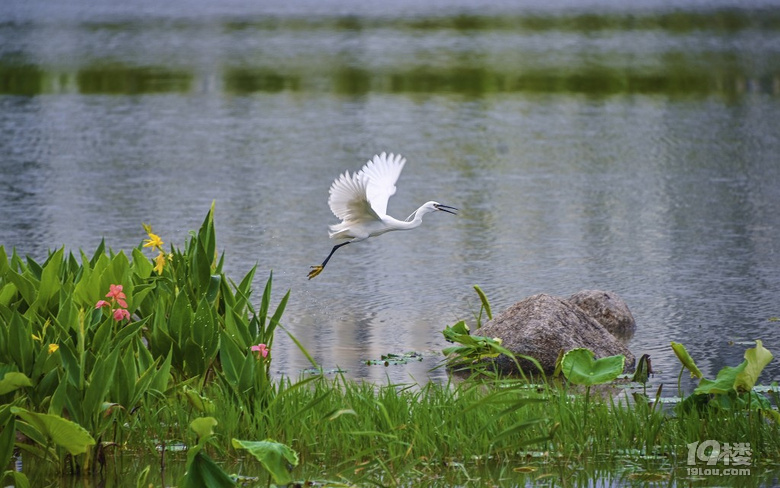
{"x":237,"y":328}
{"x":123,"y":387}
{"x":68,"y":315}
{"x":20,"y":343}
{"x":7,"y":293}
{"x":686,"y":360}
{"x":203,"y":326}
{"x":50,"y":279}
{"x":142,"y":265}
{"x":247,"y":378}
{"x":456,"y":333}
{"x":723,"y":383}
{"x":13,"y":381}
{"x":214,"y":285}
{"x":64,"y":433}
{"x":7,"y":438}
{"x":203,"y":427}
{"x":202,"y":472}
{"x":231,"y":358}
{"x":128,"y":332}
{"x":26,"y":286}
{"x":201,"y":403}
{"x":180,"y":320}
{"x":19,"y":479}
{"x":580,"y":367}
{"x":757,"y":358}
{"x":195,"y":361}
{"x":274,"y":456}
{"x":100,"y":381}
{"x":162,"y":376}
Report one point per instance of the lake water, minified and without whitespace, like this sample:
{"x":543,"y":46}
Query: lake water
{"x":587,"y":145}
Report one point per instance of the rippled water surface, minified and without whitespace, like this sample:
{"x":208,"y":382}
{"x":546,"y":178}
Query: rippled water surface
{"x":588,"y":145}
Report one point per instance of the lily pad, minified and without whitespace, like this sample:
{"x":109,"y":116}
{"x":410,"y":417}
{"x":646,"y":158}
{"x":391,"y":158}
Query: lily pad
{"x":395,"y":359}
{"x":581,"y":367}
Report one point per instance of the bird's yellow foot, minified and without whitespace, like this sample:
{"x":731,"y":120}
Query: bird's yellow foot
{"x":315,"y":270}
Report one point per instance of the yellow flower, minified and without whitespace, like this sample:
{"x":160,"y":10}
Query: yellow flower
{"x":159,"y":262}
{"x":53,"y":348}
{"x":153,"y":241}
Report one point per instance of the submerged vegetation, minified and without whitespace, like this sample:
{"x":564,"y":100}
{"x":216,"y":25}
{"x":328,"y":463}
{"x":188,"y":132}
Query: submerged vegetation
{"x":112,"y":366}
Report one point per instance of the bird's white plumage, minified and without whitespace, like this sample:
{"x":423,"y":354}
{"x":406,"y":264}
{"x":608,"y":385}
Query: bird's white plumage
{"x":362,"y":197}
{"x":360,"y":201}
{"x":382,"y":173}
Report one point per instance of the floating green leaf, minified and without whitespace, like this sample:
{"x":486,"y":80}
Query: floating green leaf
{"x":274,"y":456}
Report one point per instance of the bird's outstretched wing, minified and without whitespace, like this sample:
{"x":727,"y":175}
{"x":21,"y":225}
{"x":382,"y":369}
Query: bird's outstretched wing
{"x":348,"y":200}
{"x":382,"y":172}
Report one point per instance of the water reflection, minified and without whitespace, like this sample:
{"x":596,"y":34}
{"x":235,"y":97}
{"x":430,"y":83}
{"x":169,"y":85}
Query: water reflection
{"x":602,"y":54}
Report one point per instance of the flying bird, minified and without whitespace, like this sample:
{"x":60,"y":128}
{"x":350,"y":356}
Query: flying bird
{"x":360,"y":201}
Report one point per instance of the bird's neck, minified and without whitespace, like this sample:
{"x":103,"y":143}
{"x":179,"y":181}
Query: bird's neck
{"x":416,"y":216}
{"x":409,"y":223}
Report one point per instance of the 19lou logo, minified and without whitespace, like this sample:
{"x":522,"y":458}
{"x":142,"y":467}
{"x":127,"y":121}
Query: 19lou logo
{"x":721,"y":456}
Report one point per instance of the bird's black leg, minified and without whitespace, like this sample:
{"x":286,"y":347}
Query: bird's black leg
{"x":315,"y":270}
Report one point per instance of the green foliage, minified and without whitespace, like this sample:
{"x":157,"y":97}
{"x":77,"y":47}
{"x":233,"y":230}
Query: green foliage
{"x":732,"y":388}
{"x":581,"y":367}
{"x":96,"y":339}
{"x":75,"y":379}
{"x":687,"y":361}
{"x":474,"y":352}
{"x":274,"y":456}
{"x":485,"y":306}
{"x":55,"y":429}
{"x":201,"y":469}
{"x":13,"y":381}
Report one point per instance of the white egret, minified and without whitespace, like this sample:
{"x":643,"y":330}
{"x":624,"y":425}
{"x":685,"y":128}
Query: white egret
{"x":360,"y":201}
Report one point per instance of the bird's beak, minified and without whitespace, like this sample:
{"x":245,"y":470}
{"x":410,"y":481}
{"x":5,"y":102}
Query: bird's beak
{"x":446,"y":208}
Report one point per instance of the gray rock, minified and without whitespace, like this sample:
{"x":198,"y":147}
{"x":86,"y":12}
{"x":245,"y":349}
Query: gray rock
{"x":608,"y":309}
{"x":541,"y":326}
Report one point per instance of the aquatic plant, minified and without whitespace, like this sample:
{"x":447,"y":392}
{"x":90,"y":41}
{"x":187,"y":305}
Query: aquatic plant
{"x":580,"y":367}
{"x":62,"y":356}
